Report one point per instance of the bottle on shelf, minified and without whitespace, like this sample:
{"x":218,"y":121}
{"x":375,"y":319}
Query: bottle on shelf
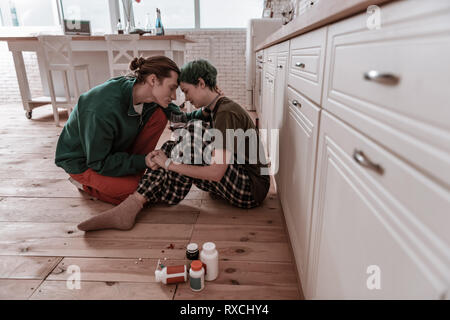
{"x":148,"y":24}
{"x":15,"y":20}
{"x":158,"y":25}
{"x":119,"y":27}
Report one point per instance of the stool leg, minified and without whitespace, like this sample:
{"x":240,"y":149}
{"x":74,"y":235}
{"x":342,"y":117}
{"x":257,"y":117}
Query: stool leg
{"x":75,"y":83}
{"x":51,"y":88}
{"x":88,"y":78}
{"x":67,"y":91}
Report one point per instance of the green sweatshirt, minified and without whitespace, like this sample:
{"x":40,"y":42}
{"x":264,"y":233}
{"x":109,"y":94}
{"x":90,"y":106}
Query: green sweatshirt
{"x":102,"y":126}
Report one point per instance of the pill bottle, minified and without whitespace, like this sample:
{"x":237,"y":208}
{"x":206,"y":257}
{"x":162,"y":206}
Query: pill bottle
{"x":197,"y":276}
{"x":192,"y":251}
{"x":210,"y":258}
{"x":171,"y":274}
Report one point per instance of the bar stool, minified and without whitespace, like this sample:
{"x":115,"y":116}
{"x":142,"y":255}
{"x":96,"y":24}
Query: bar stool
{"x":122,"y":48}
{"x":58,"y":57}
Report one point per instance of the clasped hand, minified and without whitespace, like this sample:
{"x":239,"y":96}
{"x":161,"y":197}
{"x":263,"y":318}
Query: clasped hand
{"x":155,"y":159}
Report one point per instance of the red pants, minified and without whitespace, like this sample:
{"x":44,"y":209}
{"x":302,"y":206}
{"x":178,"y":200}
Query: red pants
{"x":116,"y":189}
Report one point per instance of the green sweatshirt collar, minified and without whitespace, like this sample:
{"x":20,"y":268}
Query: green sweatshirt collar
{"x":128,"y":93}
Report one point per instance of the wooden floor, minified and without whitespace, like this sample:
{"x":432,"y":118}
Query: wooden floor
{"x":40,"y":244}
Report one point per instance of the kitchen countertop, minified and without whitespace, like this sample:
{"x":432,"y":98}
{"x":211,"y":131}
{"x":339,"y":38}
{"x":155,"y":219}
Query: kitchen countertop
{"x":324,"y":12}
{"x":181,"y":38}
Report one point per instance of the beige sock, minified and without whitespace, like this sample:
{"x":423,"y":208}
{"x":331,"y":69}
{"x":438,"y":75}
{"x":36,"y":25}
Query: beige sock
{"x":121,"y":217}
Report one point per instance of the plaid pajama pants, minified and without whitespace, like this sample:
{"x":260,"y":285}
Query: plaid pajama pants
{"x":167,"y":186}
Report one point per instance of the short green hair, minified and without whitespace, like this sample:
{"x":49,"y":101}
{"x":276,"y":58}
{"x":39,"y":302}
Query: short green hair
{"x":200,"y":68}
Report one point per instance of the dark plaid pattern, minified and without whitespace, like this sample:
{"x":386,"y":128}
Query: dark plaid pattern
{"x":170,"y":187}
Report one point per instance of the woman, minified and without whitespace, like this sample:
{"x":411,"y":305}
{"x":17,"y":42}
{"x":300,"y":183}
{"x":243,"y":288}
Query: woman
{"x":243,"y":184}
{"x":106,"y":141}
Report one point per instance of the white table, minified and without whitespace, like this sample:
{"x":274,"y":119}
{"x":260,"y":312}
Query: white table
{"x":91,"y":50}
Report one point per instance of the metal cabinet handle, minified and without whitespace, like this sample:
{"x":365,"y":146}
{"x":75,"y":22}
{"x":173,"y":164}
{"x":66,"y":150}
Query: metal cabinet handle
{"x":259,"y":57}
{"x":362,"y":160}
{"x":300,"y":65}
{"x":280,"y":66}
{"x":269,"y":60}
{"x":296,"y":103}
{"x":383,"y":78}
{"x":270,"y":81}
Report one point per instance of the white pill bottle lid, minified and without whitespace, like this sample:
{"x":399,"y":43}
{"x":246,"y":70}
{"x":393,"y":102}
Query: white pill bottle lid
{"x":159,"y":276}
{"x":209,"y":248}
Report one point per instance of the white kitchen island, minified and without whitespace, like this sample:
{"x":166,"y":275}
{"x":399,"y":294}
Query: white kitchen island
{"x":91,"y":50}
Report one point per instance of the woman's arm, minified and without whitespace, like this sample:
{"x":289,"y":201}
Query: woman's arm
{"x":198,"y":114}
{"x":213,"y":172}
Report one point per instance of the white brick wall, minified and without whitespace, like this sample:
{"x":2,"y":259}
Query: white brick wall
{"x":223,"y":48}
{"x":9,"y":88}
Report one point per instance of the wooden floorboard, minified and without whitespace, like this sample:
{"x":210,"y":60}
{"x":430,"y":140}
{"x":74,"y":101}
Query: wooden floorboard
{"x":99,"y":290}
{"x":40,"y":243}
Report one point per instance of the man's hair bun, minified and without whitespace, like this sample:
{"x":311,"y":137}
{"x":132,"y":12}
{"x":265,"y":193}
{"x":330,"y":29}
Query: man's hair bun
{"x":136,"y":63}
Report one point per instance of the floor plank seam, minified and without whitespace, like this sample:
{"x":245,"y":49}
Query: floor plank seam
{"x":45,"y":278}
{"x":175,"y":291}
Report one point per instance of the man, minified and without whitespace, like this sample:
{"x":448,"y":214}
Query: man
{"x":104,"y":144}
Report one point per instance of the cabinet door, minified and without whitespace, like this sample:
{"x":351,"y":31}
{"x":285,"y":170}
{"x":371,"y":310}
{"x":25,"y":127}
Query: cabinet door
{"x":380,"y":227}
{"x":299,"y":147}
{"x":276,"y":119}
{"x":268,"y":96}
{"x":263,"y":89}
{"x":258,"y":88}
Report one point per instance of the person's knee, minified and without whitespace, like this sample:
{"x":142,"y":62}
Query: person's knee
{"x":122,"y":189}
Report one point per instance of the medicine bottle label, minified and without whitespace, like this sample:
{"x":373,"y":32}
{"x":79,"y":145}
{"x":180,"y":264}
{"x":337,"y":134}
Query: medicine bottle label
{"x":196,"y":283}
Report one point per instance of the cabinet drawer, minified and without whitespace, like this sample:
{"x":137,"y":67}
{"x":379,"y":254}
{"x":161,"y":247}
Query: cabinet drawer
{"x":397,"y":221}
{"x":260,"y":55}
{"x":271,"y":60}
{"x":307,"y":54}
{"x":305,"y":108}
{"x":393,"y":83}
{"x":298,"y":138}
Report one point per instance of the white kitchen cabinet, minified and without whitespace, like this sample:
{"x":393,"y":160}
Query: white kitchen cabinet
{"x":376,"y":215}
{"x":277,"y":110}
{"x":307,"y":60}
{"x":392,"y":83}
{"x":257,"y":92}
{"x":296,"y":175}
{"x":271,"y":60}
{"x":266,"y":107}
{"x":264,"y":90}
{"x":364,"y":165}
